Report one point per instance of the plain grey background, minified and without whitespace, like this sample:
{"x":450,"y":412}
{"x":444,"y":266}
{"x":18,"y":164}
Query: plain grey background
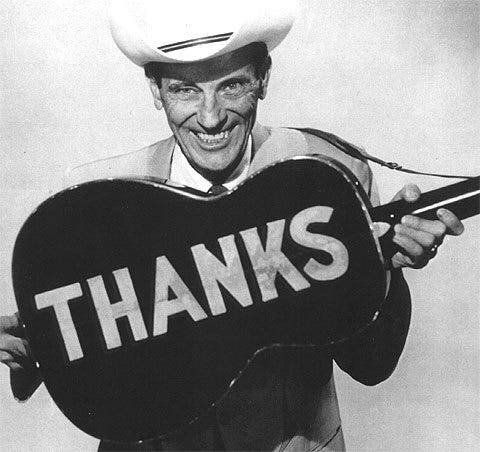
{"x":398,"y":77}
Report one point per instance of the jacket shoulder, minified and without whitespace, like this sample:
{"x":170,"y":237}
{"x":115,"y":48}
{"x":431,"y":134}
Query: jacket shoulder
{"x":139,"y":163}
{"x":346,"y":153}
{"x":330,"y":145}
{"x":337,"y":142}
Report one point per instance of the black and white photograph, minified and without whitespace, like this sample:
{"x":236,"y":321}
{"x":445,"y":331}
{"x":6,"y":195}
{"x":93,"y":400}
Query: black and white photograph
{"x":240,"y":226}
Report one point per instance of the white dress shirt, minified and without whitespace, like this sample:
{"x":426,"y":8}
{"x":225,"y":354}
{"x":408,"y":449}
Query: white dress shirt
{"x":184,"y":174}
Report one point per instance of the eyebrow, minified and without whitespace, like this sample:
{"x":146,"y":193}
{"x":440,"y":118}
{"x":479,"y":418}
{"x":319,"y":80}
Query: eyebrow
{"x":235,"y":78}
{"x":180,"y":83}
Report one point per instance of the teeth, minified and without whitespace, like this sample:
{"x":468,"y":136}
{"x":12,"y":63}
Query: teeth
{"x":213,"y":138}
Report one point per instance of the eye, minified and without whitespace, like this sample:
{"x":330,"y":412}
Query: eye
{"x":233,"y":88}
{"x":184,"y":92}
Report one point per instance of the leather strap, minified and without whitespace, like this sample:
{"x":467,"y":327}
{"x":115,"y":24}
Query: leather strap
{"x":360,"y":153}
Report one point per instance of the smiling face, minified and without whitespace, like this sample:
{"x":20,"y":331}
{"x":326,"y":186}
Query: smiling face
{"x":211,"y":108}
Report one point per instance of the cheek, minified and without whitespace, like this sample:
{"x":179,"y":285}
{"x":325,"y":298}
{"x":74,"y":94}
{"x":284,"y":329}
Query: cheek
{"x":174,"y":110}
{"x":247,"y":106}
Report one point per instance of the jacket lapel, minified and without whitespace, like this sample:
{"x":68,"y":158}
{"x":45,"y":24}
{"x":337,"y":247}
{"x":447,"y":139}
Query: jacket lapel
{"x":272,"y":145}
{"x":160,"y":162}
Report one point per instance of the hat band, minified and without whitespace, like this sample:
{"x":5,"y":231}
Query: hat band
{"x":195,"y":42}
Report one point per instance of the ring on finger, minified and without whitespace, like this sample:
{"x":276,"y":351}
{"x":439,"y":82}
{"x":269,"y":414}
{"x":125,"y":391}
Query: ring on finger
{"x":433,"y":250}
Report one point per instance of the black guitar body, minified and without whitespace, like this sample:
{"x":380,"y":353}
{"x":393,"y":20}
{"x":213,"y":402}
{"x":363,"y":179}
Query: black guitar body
{"x":189,"y":327}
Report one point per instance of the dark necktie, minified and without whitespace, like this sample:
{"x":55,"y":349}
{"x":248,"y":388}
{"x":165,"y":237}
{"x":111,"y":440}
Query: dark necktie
{"x":217,"y":189}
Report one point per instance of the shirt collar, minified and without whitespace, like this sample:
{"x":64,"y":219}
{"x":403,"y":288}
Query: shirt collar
{"x":184,"y":174}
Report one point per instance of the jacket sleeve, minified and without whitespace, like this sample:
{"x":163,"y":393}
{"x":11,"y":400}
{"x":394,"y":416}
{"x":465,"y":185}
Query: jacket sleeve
{"x":371,"y":356}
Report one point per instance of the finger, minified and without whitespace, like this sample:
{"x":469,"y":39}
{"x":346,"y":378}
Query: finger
{"x":411,"y":247}
{"x":399,"y":260}
{"x":18,"y":348}
{"x":9,"y":361}
{"x":15,"y":346}
{"x":5,"y":357}
{"x":409,"y":193}
{"x":11,"y":324}
{"x":425,"y":239}
{"x":28,"y":350}
{"x":435,"y":227}
{"x":450,"y":220}
{"x":15,"y":366}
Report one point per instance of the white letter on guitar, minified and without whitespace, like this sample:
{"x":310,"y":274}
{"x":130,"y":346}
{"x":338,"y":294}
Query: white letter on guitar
{"x":108,"y":312}
{"x":230,"y":274}
{"x":271,"y":260}
{"x":299,"y":233}
{"x":58,"y":298}
{"x":166,"y":277}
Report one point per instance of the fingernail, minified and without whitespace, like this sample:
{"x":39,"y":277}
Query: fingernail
{"x":407,"y":220}
{"x":411,"y":193}
{"x":442,"y":212}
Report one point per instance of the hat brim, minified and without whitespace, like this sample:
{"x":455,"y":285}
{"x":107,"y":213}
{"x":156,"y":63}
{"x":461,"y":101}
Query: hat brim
{"x":269,"y":25}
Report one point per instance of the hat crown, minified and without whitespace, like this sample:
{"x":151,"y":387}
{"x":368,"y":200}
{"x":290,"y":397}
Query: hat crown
{"x":198,"y":27}
{"x":155,"y":30}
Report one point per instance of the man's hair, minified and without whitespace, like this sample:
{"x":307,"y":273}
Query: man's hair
{"x":256,"y":53}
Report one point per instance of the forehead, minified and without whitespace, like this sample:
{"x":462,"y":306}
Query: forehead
{"x":240,"y":62}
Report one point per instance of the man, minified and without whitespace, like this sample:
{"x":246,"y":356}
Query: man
{"x":209,"y":77}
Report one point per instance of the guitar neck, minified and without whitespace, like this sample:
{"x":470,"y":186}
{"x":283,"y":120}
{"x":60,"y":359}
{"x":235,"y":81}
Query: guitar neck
{"x":462,"y":198}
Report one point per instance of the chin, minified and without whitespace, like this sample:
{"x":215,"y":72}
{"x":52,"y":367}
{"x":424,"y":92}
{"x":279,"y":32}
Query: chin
{"x":216,"y":173}
{"x":219,"y":161}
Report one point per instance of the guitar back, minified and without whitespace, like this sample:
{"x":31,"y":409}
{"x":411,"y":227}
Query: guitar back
{"x":143,"y":302}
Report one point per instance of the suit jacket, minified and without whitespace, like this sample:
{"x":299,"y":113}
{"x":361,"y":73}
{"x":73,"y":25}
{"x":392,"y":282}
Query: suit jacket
{"x":269,"y":145}
{"x":286,"y":399}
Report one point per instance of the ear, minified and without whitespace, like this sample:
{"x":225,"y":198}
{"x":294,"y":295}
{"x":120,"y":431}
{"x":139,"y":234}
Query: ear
{"x":155,"y":90}
{"x":265,"y":77}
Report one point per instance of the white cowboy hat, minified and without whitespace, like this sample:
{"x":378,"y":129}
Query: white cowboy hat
{"x":192,"y":30}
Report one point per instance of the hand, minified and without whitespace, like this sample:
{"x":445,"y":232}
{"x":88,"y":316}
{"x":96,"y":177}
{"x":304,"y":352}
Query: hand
{"x":419,"y":238}
{"x":14,"y":349}
{"x":16,"y":354}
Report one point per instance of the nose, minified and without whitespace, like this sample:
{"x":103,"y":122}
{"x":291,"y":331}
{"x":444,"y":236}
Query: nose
{"x":211,"y":113}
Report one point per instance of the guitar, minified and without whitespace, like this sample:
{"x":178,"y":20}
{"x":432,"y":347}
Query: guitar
{"x":142,"y":302}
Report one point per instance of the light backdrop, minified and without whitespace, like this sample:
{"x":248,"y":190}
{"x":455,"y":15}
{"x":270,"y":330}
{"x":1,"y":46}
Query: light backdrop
{"x":398,"y":77}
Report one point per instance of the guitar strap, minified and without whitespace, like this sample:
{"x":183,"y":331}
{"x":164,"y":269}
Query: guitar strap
{"x":360,"y":153}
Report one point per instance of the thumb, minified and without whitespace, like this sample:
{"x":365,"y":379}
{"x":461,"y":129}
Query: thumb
{"x":409,"y":193}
